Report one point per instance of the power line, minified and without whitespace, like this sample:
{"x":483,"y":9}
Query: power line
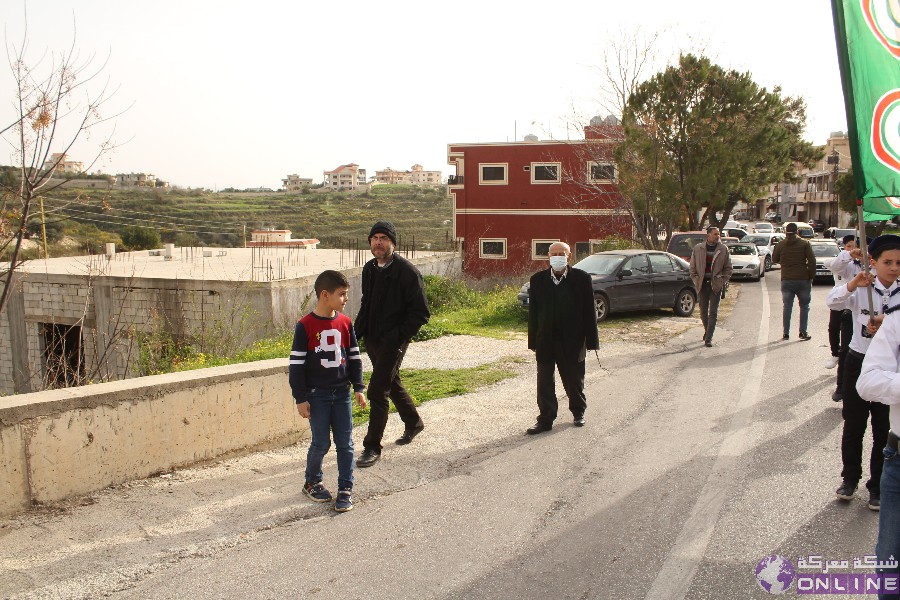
{"x":128,"y":220}
{"x":161,"y":216}
{"x":82,"y":219}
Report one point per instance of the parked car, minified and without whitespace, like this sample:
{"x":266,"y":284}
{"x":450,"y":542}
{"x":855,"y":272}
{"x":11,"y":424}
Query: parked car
{"x":772,"y":216}
{"x":765,"y":243}
{"x":764,"y":227}
{"x":803,"y":230}
{"x":824,"y":250}
{"x":731,"y":224}
{"x":746,"y":261}
{"x":636,"y":280}
{"x":681,"y":244}
{"x":737,"y":232}
{"x":838,"y":233}
{"x":818,"y":225}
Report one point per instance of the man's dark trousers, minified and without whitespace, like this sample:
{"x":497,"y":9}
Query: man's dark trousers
{"x":856,"y":413}
{"x":385,"y":382}
{"x":709,"y":309}
{"x":572,"y":374}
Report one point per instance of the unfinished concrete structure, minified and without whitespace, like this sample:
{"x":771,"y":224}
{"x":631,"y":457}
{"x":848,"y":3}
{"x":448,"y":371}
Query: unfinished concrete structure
{"x":101,"y":317}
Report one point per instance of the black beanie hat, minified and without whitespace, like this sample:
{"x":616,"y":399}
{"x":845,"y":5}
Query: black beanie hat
{"x":385,"y":227}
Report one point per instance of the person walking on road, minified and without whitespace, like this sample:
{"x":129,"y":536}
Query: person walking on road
{"x":392,"y":310}
{"x":562,"y":327}
{"x":844,"y":267}
{"x":710,"y":268}
{"x":798,"y":269}
{"x":884,"y":253}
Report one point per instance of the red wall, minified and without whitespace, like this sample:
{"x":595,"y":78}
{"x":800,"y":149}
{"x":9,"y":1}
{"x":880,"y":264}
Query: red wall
{"x":522,"y":205}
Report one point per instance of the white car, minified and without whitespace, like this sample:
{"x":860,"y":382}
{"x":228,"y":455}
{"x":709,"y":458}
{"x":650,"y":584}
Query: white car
{"x":763,"y":228}
{"x":765,"y":243}
{"x":746,"y":261}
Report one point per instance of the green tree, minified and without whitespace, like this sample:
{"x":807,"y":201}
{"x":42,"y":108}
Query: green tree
{"x":709,"y":137}
{"x":845,"y":187}
{"x":140,"y":238}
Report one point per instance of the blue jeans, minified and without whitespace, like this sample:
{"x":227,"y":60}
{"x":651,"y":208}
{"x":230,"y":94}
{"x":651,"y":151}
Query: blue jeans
{"x":888,"y":547}
{"x":802,"y":289}
{"x":331,"y":411}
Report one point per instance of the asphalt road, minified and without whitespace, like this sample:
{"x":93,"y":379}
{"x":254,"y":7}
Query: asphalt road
{"x":695,"y":464}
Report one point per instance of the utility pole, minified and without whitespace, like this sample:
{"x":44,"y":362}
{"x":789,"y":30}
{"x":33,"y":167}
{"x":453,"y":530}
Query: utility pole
{"x":834,"y":160}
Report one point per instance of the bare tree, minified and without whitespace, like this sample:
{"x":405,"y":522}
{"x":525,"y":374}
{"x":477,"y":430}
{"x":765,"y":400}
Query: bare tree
{"x":58,"y":100}
{"x":628,"y":58}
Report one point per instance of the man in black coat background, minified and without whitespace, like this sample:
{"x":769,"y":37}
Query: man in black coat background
{"x":562,"y":327}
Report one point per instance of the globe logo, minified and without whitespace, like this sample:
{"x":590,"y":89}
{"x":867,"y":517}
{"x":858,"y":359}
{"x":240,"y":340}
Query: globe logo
{"x":775,"y":574}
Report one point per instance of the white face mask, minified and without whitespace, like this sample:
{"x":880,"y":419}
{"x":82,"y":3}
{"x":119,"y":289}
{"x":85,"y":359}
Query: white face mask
{"x":558,"y":263}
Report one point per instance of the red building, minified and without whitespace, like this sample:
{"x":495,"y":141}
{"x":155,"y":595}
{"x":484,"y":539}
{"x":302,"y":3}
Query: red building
{"x":512,"y":200}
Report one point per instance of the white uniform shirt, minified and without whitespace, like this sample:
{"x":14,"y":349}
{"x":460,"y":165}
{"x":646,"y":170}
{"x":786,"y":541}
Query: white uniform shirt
{"x":879,"y":380}
{"x":844,"y":267}
{"x":884,"y":301}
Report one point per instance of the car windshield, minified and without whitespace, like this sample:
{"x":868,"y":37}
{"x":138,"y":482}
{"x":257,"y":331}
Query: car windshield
{"x":742,"y":249}
{"x":600,"y":264}
{"x":825,"y":250}
{"x":682,"y":245}
{"x":763,"y":226}
{"x":841,"y":233}
{"x":759,"y":240}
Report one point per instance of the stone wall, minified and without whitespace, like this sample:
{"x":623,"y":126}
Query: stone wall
{"x":68,"y":442}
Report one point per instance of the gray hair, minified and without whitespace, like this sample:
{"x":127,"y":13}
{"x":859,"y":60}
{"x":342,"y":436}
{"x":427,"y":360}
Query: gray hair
{"x":563,"y":244}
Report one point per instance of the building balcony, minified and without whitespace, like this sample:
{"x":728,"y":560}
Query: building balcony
{"x":456,"y":180}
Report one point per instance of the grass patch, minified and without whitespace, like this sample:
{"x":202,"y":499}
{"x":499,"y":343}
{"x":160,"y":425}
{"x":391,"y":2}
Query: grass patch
{"x":430,"y":384}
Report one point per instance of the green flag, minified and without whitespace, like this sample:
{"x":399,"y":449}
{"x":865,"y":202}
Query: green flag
{"x":868,"y":43}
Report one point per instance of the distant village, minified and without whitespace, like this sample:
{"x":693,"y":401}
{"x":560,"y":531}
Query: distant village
{"x":345,"y":177}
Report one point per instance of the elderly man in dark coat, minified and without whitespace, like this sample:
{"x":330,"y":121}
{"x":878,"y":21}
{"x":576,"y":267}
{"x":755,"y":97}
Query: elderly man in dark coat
{"x":562,"y":326}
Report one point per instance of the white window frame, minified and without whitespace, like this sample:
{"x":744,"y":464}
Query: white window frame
{"x":504,"y":181}
{"x":481,"y":253}
{"x":556,"y":181}
{"x":535,"y":255}
{"x":595,"y":246}
{"x":592,"y":163}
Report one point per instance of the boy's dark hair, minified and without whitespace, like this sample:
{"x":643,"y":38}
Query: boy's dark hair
{"x":329,"y":281}
{"x":882,"y":244}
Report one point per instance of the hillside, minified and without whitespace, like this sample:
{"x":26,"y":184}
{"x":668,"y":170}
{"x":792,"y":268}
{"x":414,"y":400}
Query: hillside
{"x":195,"y":217}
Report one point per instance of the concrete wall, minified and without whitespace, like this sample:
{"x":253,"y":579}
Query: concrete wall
{"x":61,"y":443}
{"x":112,"y":309}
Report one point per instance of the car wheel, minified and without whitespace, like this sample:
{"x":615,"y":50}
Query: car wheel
{"x":601,"y":306}
{"x":684,"y":303}
{"x":768,"y":263}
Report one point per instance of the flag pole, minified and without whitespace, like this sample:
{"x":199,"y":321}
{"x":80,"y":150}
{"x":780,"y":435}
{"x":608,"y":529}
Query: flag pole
{"x":864,"y":246}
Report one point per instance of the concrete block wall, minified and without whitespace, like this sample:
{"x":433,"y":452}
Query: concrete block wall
{"x":58,"y":444}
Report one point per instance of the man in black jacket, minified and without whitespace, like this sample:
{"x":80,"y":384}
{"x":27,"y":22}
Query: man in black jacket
{"x":392,"y":309}
{"x":562,"y":326}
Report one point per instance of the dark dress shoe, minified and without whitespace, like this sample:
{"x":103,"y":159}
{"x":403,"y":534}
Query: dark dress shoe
{"x":368,"y":458}
{"x":409,"y":434}
{"x":579,"y":421}
{"x":538,"y":428}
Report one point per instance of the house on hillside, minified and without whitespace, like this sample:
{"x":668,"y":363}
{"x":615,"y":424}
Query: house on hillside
{"x":416,"y":176}
{"x":295,"y":183}
{"x":511,"y":200}
{"x":346,"y":177}
{"x":280,"y":238}
{"x":59,"y":164}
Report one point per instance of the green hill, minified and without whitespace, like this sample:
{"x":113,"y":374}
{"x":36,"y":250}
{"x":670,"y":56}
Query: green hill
{"x":86,"y":218}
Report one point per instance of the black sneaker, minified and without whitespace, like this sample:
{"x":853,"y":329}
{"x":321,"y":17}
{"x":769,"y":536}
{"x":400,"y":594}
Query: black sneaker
{"x":786,"y":336}
{"x":538,"y":428}
{"x":579,"y":420}
{"x":837,"y":395}
{"x":368,"y":458}
{"x":316,"y":492}
{"x":344,"y":501}
{"x":846,"y":491}
{"x":805,"y":336}
{"x":409,"y":434}
{"x":875,"y":500}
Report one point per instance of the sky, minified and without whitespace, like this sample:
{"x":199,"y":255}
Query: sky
{"x":237,"y":94}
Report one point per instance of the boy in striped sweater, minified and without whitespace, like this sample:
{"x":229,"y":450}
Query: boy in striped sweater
{"x":324,"y":363}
